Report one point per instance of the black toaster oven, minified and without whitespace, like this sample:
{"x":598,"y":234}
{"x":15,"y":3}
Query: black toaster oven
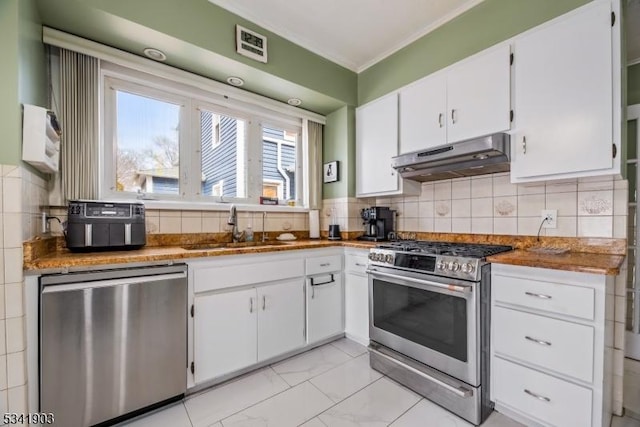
{"x":98,"y":225}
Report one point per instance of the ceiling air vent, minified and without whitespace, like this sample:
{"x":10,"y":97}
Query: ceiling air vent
{"x":251,"y":44}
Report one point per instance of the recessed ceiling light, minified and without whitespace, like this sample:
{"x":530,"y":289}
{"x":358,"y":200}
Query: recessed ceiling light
{"x":155,"y":54}
{"x":294,"y":101}
{"x":235,"y":81}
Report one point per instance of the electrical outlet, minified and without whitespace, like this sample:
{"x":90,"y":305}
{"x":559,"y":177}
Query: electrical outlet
{"x":551,"y":216}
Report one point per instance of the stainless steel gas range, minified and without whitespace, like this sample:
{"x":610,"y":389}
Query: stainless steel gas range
{"x":429,"y":321}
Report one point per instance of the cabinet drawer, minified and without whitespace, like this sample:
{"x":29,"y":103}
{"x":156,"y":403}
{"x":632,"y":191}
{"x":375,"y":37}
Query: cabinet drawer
{"x":356,"y":263}
{"x":211,"y":278}
{"x":554,"y":344}
{"x":547,"y":296}
{"x":324,"y":264}
{"x":541,"y":396}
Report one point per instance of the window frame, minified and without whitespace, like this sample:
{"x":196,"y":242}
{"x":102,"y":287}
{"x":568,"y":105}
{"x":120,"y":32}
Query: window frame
{"x":191,"y":100}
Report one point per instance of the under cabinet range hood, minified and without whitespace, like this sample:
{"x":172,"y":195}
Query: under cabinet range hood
{"x":478,"y":156}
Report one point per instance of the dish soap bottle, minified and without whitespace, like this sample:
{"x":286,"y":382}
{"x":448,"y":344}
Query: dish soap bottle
{"x":248,"y":234}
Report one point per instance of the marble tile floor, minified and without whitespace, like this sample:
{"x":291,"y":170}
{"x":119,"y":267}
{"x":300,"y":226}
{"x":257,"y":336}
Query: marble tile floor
{"x":331,"y":385}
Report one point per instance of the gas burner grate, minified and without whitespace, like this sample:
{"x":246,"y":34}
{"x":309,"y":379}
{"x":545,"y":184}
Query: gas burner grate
{"x":469,"y":250}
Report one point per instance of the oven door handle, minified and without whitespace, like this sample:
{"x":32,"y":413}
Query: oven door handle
{"x":462,"y":289}
{"x":459,"y":391}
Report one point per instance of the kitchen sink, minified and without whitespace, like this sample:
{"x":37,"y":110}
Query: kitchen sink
{"x":208,"y":246}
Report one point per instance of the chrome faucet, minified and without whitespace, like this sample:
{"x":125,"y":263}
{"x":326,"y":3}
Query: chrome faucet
{"x":233,"y":220}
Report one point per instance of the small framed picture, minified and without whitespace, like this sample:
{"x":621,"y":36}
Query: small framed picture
{"x":330,"y":171}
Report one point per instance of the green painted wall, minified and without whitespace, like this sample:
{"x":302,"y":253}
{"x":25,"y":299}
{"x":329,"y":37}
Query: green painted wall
{"x":199,"y":36}
{"x":22,"y":72}
{"x":485,"y":25}
{"x":633,"y":84}
{"x":10,"y":119}
{"x":339,"y":144}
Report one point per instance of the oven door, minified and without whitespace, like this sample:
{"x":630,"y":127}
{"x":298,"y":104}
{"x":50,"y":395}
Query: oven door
{"x":428,"y":318}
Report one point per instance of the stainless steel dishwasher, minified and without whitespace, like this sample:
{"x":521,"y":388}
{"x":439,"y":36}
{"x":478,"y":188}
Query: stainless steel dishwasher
{"x":112,"y":342}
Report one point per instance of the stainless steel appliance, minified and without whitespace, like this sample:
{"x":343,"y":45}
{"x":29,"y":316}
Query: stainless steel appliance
{"x":488,"y":154}
{"x":378,"y":222}
{"x":429,"y":321}
{"x":94,"y":225}
{"x":112,"y":343}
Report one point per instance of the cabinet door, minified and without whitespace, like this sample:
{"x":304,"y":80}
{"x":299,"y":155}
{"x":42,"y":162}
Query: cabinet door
{"x":324,"y":307}
{"x":478,"y":96}
{"x":225,"y":333}
{"x":280,"y":318}
{"x":356,"y":310}
{"x":563,"y":96}
{"x":376,"y":144}
{"x":423,"y":109}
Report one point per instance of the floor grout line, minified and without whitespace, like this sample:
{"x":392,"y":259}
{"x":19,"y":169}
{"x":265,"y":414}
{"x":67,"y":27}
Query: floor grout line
{"x":402,"y":414}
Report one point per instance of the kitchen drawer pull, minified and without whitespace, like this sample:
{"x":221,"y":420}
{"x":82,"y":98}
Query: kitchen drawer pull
{"x":264,"y":302}
{"x":545,"y":343}
{"x":541,"y":296}
{"x":440,"y":119}
{"x":524,"y":145}
{"x":325,"y":264}
{"x":360,"y":264}
{"x":537,"y":396}
{"x":250,"y":305}
{"x":453,"y":116}
{"x":322,"y":283}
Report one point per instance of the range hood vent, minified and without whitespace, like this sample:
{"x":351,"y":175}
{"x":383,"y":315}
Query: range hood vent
{"x":479,"y":156}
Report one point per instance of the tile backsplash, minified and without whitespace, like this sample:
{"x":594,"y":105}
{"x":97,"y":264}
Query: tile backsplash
{"x":490,"y":204}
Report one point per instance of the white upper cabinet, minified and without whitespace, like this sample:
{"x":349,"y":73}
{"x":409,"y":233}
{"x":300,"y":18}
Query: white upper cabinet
{"x":564,"y":97}
{"x":376,"y":144}
{"x":423,"y":114}
{"x":478,"y":95}
{"x":464,"y":101}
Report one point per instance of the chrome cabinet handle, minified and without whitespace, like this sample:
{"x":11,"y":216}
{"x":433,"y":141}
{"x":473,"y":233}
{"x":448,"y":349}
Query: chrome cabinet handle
{"x":537,"y":396}
{"x":264,"y":302}
{"x":360,"y":264}
{"x":440,"y":119}
{"x":541,"y":296}
{"x":313,"y":292}
{"x":453,"y":116}
{"x":524,"y":145}
{"x":325,"y":264}
{"x":545,"y":343}
{"x":250,"y":305}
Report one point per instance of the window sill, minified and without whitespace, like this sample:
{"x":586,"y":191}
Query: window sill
{"x":205,"y":206}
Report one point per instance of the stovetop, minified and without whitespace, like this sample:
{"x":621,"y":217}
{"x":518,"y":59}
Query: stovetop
{"x":467,"y":250}
{"x":453,"y":260}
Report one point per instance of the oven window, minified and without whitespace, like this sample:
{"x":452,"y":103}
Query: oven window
{"x":431,"y":319}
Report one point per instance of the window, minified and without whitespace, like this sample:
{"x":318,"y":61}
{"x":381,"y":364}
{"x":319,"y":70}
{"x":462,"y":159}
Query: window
{"x":165,"y":140}
{"x":223,"y":161}
{"x":279,"y":163}
{"x":147,"y":155}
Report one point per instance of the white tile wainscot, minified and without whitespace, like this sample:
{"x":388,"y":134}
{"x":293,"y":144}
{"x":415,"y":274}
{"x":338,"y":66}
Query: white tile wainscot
{"x":551,"y":354}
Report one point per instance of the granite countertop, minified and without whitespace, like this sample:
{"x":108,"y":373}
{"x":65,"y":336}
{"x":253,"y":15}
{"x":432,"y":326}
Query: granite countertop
{"x":588,"y":255}
{"x":63,"y":258}
{"x":583,"y":262}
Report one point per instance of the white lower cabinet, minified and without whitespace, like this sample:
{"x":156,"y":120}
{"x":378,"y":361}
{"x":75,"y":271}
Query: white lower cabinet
{"x":324,"y":306}
{"x":550,"y":350}
{"x":356,"y":296}
{"x":280,"y":318}
{"x":225,"y":333}
{"x":325,"y":296}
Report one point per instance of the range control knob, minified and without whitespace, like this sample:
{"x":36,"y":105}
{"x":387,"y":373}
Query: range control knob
{"x":372,"y":256}
{"x":442,"y":265}
{"x":454,"y":266}
{"x":388,"y":258}
{"x":468,"y":268}
{"x":380,"y":257}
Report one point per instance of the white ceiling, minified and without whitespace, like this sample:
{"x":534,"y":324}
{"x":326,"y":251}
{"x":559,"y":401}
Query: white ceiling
{"x":353,"y":33}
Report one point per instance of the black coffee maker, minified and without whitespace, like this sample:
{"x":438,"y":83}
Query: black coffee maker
{"x":378,"y":222}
